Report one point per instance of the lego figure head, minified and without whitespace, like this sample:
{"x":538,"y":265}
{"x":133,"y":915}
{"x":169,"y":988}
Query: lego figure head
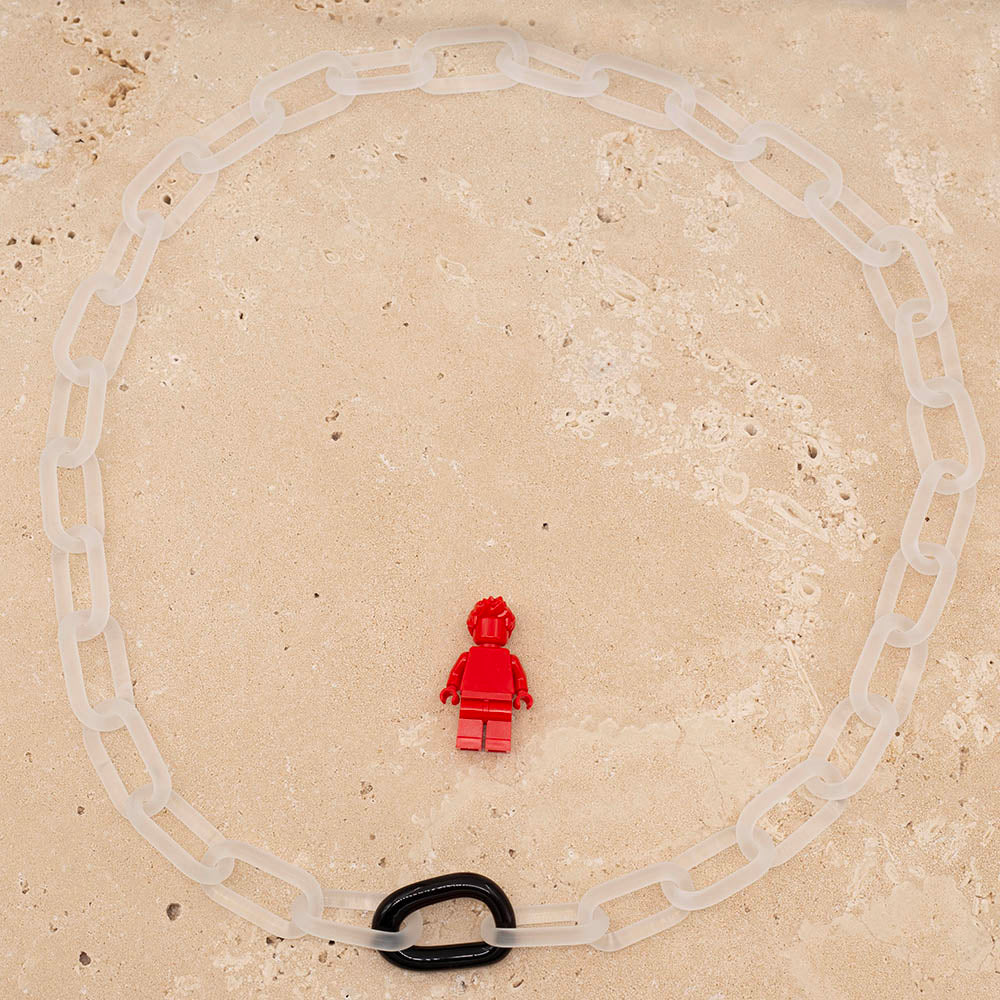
{"x":490,"y":622}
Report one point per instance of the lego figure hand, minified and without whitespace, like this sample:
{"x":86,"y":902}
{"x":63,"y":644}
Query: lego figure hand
{"x":528,"y":700}
{"x":448,"y":692}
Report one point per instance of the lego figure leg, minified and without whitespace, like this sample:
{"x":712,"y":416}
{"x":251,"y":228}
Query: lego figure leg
{"x":498,"y":726}
{"x":471,"y":716}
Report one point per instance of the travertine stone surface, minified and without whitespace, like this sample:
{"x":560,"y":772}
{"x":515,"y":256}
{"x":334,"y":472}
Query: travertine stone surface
{"x":443,"y":347}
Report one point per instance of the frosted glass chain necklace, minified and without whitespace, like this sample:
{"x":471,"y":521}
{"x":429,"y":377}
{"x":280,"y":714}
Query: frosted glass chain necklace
{"x":397,"y":925}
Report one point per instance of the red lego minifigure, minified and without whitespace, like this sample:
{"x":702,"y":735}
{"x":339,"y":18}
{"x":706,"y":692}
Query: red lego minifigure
{"x":487,"y":676}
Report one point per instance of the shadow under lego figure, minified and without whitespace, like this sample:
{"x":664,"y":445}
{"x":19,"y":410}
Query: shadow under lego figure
{"x":489,"y":678}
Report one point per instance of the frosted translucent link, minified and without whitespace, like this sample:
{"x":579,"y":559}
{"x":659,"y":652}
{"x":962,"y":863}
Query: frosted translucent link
{"x":152,"y":171}
{"x":614,"y":888}
{"x":907,"y":344}
{"x":92,"y":624}
{"x":383,"y":83}
{"x":755,"y":810}
{"x":921,"y":630}
{"x":699,"y":899}
{"x":69,"y":652}
{"x":148,"y":753}
{"x":876,"y":642}
{"x":909,"y":540}
{"x":48,"y":475}
{"x":453,"y":37}
{"x":794,"y":143}
{"x":734,"y":152}
{"x":70,"y":323}
{"x":135,"y":812}
{"x":267,"y":862}
{"x":824,"y":217}
{"x":129,"y":287}
{"x":238,"y":148}
{"x":82,"y":449}
{"x":543,"y":80}
{"x":936,"y":303}
{"x":870,"y":755}
{"x":263,"y":109}
{"x":627,"y":110}
{"x":585,"y":922}
{"x":974,"y":445}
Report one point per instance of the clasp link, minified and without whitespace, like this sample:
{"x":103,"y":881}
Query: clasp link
{"x":434,"y":958}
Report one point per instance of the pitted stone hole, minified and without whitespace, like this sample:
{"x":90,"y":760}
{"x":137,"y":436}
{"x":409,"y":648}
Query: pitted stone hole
{"x":173,"y":911}
{"x":811,"y":450}
{"x":84,"y":958}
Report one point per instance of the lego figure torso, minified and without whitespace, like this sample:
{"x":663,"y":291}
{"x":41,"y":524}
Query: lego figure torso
{"x":487,"y":673}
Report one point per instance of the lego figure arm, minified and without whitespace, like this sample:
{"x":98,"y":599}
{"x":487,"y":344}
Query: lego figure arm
{"x":520,"y":684}
{"x":450,"y":690}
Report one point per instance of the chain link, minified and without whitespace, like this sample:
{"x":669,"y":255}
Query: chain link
{"x":936,"y":305}
{"x":794,"y":143}
{"x":481,"y":82}
{"x":138,"y":808}
{"x":264,"y":109}
{"x":627,"y":110}
{"x":868,"y":760}
{"x":156,"y":168}
{"x":763,"y":857}
{"x":149,"y":754}
{"x":930,"y":482}
{"x":734,"y":152}
{"x":267,"y":862}
{"x":822,"y":214}
{"x":48,"y":474}
{"x":755,"y":810}
{"x":238,"y":148}
{"x":383,"y":83}
{"x":975,"y":447}
{"x":588,"y":80}
{"x":547,"y":56}
{"x":878,"y":638}
{"x":70,"y":323}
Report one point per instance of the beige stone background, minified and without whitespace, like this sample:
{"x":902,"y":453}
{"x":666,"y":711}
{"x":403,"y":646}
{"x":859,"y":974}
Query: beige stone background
{"x":443,"y":347}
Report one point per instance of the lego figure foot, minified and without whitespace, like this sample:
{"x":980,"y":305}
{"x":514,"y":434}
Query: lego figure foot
{"x":498,"y":736}
{"x":470,"y":734}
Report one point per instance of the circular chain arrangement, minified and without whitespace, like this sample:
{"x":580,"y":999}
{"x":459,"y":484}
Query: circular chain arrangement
{"x":518,"y":62}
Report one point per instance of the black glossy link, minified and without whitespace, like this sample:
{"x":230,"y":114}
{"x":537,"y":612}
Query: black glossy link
{"x":398,"y":905}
